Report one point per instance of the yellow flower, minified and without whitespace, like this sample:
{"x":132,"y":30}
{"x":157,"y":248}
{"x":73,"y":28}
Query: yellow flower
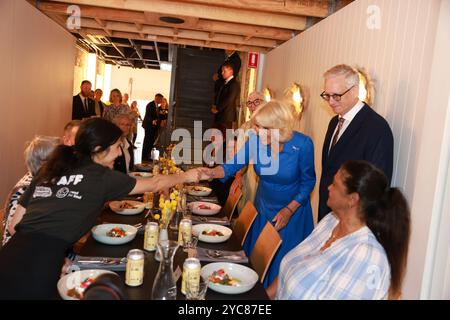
{"x":156,"y":216}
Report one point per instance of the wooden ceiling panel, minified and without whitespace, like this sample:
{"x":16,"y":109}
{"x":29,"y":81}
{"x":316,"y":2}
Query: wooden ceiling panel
{"x":243,"y":25}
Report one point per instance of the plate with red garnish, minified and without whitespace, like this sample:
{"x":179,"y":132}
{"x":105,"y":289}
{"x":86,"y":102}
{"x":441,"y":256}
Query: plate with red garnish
{"x":204,"y":208}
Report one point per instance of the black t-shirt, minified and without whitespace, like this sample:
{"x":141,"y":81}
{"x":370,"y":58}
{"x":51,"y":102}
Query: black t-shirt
{"x":69,"y":209}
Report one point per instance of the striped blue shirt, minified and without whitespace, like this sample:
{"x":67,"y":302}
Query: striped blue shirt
{"x":353,"y":267}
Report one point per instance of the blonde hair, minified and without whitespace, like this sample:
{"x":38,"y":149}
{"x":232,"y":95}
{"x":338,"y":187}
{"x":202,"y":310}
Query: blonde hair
{"x":350,"y":74}
{"x":275,"y":115}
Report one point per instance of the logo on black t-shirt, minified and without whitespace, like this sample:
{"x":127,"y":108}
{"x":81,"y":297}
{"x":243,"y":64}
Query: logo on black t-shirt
{"x":63,"y":192}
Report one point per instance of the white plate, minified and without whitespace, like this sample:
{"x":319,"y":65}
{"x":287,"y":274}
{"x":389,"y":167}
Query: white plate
{"x":245,"y":275}
{"x":74,"y":279}
{"x":199,"y":191}
{"x":140,"y":174}
{"x":100,"y":233}
{"x":199,"y":228}
{"x":204,"y":208}
{"x":115,"y":206}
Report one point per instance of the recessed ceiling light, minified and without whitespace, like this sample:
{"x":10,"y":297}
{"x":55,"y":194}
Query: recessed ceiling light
{"x":174,"y":20}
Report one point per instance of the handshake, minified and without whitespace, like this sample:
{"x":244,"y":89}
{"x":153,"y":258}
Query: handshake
{"x":198,"y":174}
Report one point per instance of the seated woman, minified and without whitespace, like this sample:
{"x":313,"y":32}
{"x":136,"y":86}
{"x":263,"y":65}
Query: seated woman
{"x":124,"y":162}
{"x":284,"y":161}
{"x":359,"y":250}
{"x":63,"y":203}
{"x":36,"y":153}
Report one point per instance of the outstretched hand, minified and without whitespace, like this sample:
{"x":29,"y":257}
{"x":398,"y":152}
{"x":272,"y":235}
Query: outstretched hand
{"x":205,"y":173}
{"x":192,"y":176}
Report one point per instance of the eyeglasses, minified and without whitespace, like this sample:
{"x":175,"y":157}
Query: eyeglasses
{"x":335,"y":96}
{"x":255,"y":102}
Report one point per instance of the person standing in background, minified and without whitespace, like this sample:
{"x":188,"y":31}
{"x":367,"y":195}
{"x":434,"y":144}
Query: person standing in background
{"x":125,"y":99}
{"x":82,"y":105}
{"x":99,"y":106}
{"x":232,"y":57}
{"x":116,"y":107}
{"x":136,"y":116}
{"x":150,"y":125}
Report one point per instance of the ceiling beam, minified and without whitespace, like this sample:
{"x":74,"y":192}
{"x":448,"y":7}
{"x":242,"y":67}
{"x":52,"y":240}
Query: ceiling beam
{"x":317,"y":8}
{"x":201,"y":11}
{"x":187,"y":34}
{"x":189,"y":42}
{"x":140,"y":17}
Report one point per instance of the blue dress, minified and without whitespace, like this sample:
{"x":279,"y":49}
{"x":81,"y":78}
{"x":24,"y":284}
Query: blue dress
{"x":284,"y":177}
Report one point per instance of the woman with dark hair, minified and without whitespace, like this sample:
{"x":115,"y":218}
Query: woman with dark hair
{"x":359,"y":250}
{"x":63,"y":203}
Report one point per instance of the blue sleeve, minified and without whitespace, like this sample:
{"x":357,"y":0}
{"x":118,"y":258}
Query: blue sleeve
{"x":240,"y":159}
{"x":307,"y":172}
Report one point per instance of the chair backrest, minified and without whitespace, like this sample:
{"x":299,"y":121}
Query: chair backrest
{"x":264,"y":250}
{"x":232,"y":200}
{"x":2,"y":216}
{"x":244,"y":221}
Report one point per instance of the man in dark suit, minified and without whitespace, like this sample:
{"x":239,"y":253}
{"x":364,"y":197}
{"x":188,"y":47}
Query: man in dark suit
{"x":232,"y":57}
{"x":227,"y":100}
{"x":150,"y":124}
{"x":82,"y":105}
{"x":99,"y":107}
{"x":357,"y":132}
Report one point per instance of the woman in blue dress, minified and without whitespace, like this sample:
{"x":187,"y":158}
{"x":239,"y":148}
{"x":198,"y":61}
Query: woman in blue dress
{"x":284,"y":161}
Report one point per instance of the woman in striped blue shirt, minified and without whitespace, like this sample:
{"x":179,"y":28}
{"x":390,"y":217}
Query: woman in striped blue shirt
{"x":359,"y":250}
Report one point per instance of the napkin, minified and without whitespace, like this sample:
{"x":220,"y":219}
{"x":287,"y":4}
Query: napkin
{"x":105,"y":263}
{"x":225,"y":256}
{"x":222,"y":221}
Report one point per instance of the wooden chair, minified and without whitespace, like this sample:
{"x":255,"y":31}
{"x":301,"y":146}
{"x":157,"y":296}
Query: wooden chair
{"x":2,"y":216}
{"x":265,"y":248}
{"x":244,"y":221}
{"x":233,"y":198}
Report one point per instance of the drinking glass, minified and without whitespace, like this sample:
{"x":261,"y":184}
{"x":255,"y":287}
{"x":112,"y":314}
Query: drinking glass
{"x":197,"y":291}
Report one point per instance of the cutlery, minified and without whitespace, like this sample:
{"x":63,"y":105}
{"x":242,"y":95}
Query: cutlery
{"x":108,"y":261}
{"x":215,"y":254}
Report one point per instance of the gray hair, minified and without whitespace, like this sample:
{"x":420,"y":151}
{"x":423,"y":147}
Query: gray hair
{"x":124,"y":115}
{"x":350,"y":74}
{"x":256,"y":95}
{"x":38,"y":150}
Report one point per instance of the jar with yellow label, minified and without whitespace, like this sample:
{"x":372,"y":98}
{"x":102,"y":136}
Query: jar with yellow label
{"x":134,"y":275}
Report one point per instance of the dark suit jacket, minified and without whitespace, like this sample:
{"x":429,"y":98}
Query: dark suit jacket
{"x":227,"y":101}
{"x":368,"y":137}
{"x":235,"y":61}
{"x":151,"y":113}
{"x":78,"y":110}
{"x":120,"y":162}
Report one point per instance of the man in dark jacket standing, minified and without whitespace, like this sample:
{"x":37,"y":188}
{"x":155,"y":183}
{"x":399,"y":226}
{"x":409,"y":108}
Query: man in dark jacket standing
{"x":150,"y":124}
{"x":357,"y":132}
{"x":82,"y":105}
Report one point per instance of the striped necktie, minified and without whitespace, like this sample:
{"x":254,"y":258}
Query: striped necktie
{"x":336,"y":135}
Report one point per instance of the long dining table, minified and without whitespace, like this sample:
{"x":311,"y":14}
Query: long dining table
{"x":143,"y":292}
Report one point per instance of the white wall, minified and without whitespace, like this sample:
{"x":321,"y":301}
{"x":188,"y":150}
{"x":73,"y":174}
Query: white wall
{"x":145,"y":82}
{"x":36,"y":77}
{"x":399,"y":57}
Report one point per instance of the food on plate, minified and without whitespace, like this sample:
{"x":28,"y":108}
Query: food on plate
{"x":137,"y":175}
{"x":77,"y":292}
{"x":204,"y":207}
{"x":212,"y":233}
{"x":221,"y":277}
{"x":127,"y":205}
{"x":116,"y":232}
{"x":198,"y":189}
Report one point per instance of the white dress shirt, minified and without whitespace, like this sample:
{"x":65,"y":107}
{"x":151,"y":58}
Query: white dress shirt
{"x":348,"y":117}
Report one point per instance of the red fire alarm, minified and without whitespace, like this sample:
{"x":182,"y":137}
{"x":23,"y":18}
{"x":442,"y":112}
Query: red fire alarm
{"x":253,"y":58}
